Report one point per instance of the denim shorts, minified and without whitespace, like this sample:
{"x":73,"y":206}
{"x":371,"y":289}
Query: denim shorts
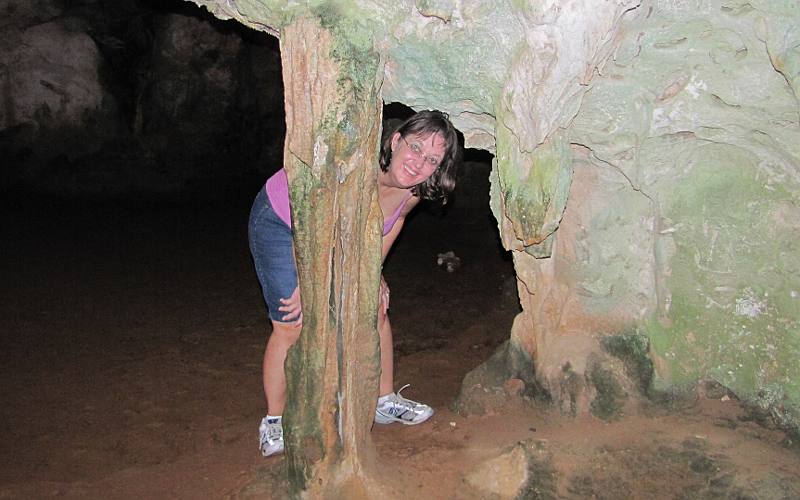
{"x":271,"y":248}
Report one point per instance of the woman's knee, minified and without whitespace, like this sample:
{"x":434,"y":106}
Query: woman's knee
{"x":287,"y":333}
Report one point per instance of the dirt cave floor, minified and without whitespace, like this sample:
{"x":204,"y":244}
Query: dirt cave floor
{"x":131,"y":345}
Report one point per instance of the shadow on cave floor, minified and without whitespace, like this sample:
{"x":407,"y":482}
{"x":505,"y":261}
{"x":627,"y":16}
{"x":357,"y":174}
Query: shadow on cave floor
{"x":130,"y":358}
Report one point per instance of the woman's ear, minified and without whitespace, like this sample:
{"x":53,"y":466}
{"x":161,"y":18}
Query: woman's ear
{"x":395,"y":140}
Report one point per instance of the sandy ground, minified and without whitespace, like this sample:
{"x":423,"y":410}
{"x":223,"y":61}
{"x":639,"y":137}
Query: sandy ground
{"x":130,"y":357}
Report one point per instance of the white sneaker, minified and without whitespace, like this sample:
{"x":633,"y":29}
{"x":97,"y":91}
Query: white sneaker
{"x":270,"y":437}
{"x":395,"y":408}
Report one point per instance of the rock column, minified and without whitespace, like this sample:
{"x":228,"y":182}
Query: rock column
{"x":333,"y":120}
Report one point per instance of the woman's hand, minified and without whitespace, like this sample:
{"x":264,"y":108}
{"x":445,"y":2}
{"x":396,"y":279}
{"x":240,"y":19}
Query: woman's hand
{"x":293,"y":308}
{"x":384,"y":296}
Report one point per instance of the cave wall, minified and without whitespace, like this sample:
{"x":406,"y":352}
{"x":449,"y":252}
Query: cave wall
{"x":689,"y":155}
{"x":646,"y":176}
{"x":134,"y":97}
{"x":53,"y":100}
{"x":681,"y":225}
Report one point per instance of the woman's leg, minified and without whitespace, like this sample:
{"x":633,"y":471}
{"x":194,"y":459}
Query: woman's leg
{"x":393,"y":407}
{"x":271,"y":246}
{"x":283,"y":336}
{"x":387,"y":353}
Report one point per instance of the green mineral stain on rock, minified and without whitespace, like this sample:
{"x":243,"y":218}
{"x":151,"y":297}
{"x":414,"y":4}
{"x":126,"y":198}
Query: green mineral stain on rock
{"x":535,"y":185}
{"x":634,"y":351}
{"x":572,"y":384}
{"x":698,"y":115}
{"x":734,"y":312}
{"x":353,"y":45}
{"x":610,"y":399}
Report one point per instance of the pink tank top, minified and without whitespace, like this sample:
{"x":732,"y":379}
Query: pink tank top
{"x":278,"y":193}
{"x":388,"y":224}
{"x":277,"y":188}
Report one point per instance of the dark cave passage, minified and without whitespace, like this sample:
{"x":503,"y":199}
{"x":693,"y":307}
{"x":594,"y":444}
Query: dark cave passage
{"x":452,"y":320}
{"x":463,"y":315}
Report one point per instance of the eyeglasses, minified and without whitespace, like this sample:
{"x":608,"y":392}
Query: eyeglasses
{"x":430,"y":161}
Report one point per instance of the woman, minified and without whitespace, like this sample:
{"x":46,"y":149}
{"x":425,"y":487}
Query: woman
{"x":418,"y":161}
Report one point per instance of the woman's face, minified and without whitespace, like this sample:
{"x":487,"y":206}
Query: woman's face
{"x":415,"y":158}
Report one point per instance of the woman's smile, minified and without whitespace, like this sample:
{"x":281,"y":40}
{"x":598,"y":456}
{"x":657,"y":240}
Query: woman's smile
{"x":410,"y":170}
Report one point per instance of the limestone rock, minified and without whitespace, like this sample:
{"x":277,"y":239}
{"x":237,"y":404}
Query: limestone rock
{"x":519,"y":471}
{"x":502,"y":476}
{"x":695,"y":119}
{"x":681,"y":212}
{"x":25,"y":13}
{"x":52,"y":88}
